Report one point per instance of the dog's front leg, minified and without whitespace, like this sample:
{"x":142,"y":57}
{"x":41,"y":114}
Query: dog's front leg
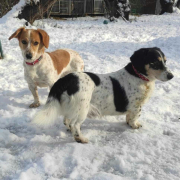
{"x":132,"y":118}
{"x":34,"y":92}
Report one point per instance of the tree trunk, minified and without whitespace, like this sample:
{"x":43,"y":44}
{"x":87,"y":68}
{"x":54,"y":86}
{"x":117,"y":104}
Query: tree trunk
{"x":178,"y":4}
{"x":167,"y":6}
{"x":117,"y":8}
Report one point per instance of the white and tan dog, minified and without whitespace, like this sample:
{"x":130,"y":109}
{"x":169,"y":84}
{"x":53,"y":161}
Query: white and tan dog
{"x":42,"y":69}
{"x":81,"y":95}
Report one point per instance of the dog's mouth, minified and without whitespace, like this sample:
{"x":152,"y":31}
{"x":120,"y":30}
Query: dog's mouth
{"x":168,"y":76}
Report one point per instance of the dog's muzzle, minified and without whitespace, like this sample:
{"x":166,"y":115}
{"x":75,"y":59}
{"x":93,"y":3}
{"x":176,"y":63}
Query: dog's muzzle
{"x":168,"y":74}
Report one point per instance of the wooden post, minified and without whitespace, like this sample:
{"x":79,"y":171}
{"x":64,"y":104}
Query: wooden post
{"x":84,"y":7}
{"x":1,"y":51}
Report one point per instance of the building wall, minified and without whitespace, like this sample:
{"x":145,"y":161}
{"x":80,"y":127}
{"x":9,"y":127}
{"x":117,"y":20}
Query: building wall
{"x":143,"y":6}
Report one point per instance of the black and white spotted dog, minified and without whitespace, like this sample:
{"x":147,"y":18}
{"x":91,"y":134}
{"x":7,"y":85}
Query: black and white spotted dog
{"x":80,"y":95}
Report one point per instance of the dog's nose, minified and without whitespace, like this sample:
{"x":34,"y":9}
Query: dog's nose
{"x":29,"y":56}
{"x":170,"y":76}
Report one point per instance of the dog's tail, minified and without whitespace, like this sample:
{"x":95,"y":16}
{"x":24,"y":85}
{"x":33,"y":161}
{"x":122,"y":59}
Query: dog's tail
{"x":93,"y":112}
{"x":48,"y":114}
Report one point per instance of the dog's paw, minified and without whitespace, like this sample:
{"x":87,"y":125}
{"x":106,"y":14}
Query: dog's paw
{"x":34,"y":105}
{"x":135,"y":125}
{"x":66,"y":123}
{"x":81,"y":139}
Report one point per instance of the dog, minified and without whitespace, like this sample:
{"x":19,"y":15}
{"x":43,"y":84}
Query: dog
{"x":82,"y":94}
{"x":42,"y":69}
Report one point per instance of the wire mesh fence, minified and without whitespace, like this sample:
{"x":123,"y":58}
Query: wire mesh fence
{"x":78,"y":7}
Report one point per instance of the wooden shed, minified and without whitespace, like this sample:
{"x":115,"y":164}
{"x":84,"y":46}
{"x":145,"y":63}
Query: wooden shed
{"x":78,"y":7}
{"x":145,"y":6}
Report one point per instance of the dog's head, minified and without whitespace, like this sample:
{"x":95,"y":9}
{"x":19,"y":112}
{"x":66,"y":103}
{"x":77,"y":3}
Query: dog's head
{"x":32,"y":42}
{"x":151,"y":62}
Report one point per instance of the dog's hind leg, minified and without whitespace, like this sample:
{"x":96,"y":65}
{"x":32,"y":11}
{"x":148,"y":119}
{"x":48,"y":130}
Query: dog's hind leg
{"x":75,"y":124}
{"x":78,"y":135}
{"x":75,"y":127}
{"x":67,"y":122}
{"x":127,"y":118}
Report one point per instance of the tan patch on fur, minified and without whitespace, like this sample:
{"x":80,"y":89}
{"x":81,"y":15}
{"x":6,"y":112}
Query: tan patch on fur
{"x":155,"y":73}
{"x":60,"y":58}
{"x":159,"y":58}
{"x":82,"y":67}
{"x":147,"y":67}
{"x":152,"y":72}
{"x":144,"y":96}
{"x":17,"y":33}
{"x":165,"y":58}
{"x":44,"y":36}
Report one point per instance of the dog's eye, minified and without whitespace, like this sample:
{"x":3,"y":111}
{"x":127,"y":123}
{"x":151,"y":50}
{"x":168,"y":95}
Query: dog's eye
{"x":24,"y":42}
{"x":36,"y":43}
{"x":154,"y":66}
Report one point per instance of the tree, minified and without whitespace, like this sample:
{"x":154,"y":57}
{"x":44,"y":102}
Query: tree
{"x":36,"y":10}
{"x":166,"y":6}
{"x":6,"y":6}
{"x":117,"y":8}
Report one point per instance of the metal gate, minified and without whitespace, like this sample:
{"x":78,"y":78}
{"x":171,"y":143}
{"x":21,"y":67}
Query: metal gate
{"x":94,"y":6}
{"x":78,"y":7}
{"x":98,"y":6}
{"x":62,"y":7}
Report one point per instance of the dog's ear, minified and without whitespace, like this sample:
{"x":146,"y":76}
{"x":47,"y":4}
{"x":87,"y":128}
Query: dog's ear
{"x":44,"y":36}
{"x":139,"y":59}
{"x":158,"y":49}
{"x":17,"y":33}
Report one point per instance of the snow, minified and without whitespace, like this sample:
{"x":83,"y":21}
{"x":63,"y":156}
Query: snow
{"x":115,"y":151}
{"x":13,"y":13}
{"x":30,"y":1}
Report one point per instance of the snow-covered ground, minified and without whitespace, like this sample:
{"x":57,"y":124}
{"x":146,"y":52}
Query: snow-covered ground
{"x":115,"y":151}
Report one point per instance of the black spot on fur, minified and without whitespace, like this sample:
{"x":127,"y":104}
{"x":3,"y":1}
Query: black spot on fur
{"x":69,"y":83}
{"x":94,"y":77}
{"x":120,"y":99}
